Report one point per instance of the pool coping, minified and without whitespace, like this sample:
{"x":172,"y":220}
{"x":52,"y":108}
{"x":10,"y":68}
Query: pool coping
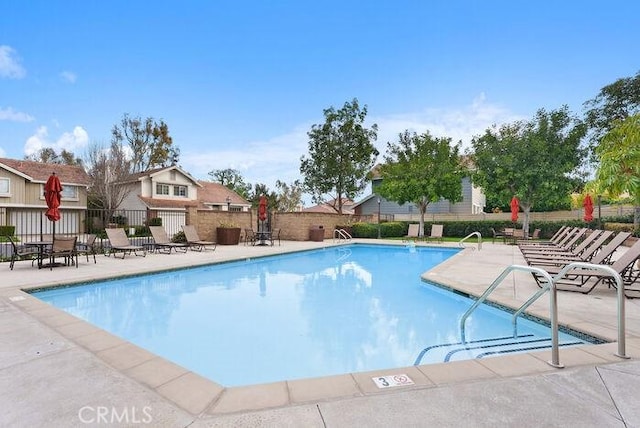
{"x":202,"y":397}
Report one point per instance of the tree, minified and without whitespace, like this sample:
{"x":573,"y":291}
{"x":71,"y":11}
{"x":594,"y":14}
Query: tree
{"x":532,"y":160}
{"x":619,"y":156}
{"x":49,"y":155}
{"x":232,"y":179}
{"x":341,"y":153}
{"x":613,"y":104}
{"x":421,"y":169}
{"x":150,"y":143}
{"x":289,"y":196}
{"x":107,"y":169}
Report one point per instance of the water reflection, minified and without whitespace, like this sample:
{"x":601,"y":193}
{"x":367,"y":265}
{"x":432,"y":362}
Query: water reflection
{"x":299,"y":315}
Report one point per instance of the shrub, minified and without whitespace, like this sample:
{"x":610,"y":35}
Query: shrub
{"x":7,"y":230}
{"x":155,"y":221}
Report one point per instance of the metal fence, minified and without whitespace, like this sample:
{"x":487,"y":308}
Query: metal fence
{"x":32,"y":224}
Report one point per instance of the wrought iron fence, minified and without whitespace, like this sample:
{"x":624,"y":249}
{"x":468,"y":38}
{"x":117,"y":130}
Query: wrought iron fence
{"x":32,"y":224}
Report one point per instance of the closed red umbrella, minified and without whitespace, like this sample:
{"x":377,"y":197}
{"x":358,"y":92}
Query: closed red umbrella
{"x":515,"y":206}
{"x":588,"y":208}
{"x":52,"y":192}
{"x":262,"y":208}
{"x":52,"y":195}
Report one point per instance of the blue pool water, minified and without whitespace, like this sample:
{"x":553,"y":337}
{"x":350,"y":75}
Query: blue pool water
{"x":308,"y":314}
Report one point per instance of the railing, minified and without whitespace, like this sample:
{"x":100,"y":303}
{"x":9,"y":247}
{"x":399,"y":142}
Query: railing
{"x":620,"y":287}
{"x":461,"y":243}
{"x":549,"y":285}
{"x":553,"y":306}
{"x":341,"y":235}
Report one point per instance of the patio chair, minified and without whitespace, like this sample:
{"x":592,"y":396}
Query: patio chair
{"x":593,"y":235}
{"x":567,"y":244}
{"x":22,"y":252}
{"x":556,"y":240}
{"x":436,"y":233}
{"x":623,"y":265}
{"x":65,"y":247}
{"x":578,"y":255}
{"x":602,"y":257}
{"x":250,"y":237}
{"x":498,"y":235}
{"x":162,"y":243}
{"x":274,"y":236}
{"x":194,"y":241}
{"x":120,"y":242}
{"x":413,"y":233}
{"x":87,"y":248}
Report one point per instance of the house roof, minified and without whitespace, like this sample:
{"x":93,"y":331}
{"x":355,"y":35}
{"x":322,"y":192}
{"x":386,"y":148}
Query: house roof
{"x":152,"y":172}
{"x":327,"y":207}
{"x":39,"y":172}
{"x":216,"y":194}
{"x":167,"y":203}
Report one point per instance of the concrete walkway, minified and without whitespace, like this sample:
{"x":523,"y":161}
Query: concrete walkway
{"x":56,"y":370}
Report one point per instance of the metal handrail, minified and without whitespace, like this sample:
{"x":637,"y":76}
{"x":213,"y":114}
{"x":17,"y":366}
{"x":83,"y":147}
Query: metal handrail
{"x":553,"y":306}
{"x":469,"y":236}
{"x":340,"y":234}
{"x":620,"y":286}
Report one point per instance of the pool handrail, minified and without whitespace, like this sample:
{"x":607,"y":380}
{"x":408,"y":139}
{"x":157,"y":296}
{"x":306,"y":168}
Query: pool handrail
{"x":609,"y":271}
{"x":341,"y":234}
{"x":548,"y":285}
{"x":478,"y":234}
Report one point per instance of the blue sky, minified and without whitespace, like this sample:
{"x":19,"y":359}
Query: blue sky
{"x":240,"y":83}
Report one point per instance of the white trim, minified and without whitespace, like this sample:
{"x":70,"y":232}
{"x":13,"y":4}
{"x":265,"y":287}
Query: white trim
{"x":15,"y":171}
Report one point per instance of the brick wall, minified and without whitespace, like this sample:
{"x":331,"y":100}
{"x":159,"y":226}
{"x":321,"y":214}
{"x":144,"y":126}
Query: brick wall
{"x":294,"y":226}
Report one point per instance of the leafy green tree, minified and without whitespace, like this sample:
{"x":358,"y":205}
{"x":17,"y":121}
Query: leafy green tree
{"x":614,"y":103}
{"x":232,"y":179}
{"x":421,"y":169}
{"x":289,"y":196}
{"x":150,"y":143}
{"x":341,"y":153}
{"x":619,"y":168}
{"x":532,"y":160}
{"x":260,"y":189}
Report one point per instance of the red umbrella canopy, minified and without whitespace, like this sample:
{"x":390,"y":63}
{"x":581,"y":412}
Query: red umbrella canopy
{"x":262,"y":208}
{"x":588,"y":208}
{"x":515,"y":206}
{"x":52,"y":192}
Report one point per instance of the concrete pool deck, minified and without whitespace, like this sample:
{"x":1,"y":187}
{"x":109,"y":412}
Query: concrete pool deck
{"x":57,"y":370}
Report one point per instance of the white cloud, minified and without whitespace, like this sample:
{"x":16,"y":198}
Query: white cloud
{"x":69,"y":76}
{"x":70,"y":141}
{"x":278,"y":158}
{"x":3,"y":154}
{"x":14,"y":116}
{"x":36,"y":141}
{"x":10,"y":66}
{"x":460,"y":124}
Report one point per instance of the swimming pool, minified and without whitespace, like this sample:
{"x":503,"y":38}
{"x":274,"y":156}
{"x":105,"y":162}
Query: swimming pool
{"x":314,"y":313}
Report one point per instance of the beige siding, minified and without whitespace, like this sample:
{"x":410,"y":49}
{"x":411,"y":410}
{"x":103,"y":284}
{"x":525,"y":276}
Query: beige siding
{"x":16,"y":189}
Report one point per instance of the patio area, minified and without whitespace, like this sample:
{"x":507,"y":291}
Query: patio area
{"x":57,"y":370}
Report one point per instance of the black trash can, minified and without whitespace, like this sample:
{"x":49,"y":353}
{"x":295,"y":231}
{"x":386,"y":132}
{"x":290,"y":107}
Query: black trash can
{"x":316,"y":233}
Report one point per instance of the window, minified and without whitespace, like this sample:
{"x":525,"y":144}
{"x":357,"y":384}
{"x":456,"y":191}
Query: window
{"x":162,"y":189}
{"x":69,"y":192}
{"x":180,"y":191}
{"x":4,"y":186}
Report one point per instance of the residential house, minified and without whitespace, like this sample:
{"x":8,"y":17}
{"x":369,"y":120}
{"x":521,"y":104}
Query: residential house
{"x":167,"y":193}
{"x":22,"y":202}
{"x":331,"y":207}
{"x":473,"y":202}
